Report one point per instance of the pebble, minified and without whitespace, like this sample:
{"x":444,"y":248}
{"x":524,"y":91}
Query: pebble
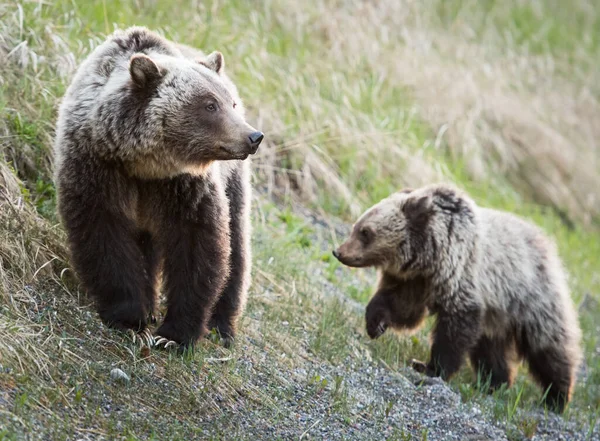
{"x":118,"y":375}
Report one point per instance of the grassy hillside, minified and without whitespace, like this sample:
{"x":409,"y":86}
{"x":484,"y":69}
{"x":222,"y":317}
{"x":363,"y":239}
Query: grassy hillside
{"x":357,"y":99}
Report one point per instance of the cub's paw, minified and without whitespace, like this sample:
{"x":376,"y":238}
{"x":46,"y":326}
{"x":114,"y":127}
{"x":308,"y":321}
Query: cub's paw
{"x":425,"y":369}
{"x":422,"y":368}
{"x":377,"y":323}
{"x":418,"y":366}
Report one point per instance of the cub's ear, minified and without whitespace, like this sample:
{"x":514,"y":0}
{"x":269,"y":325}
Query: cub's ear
{"x":418,"y":210}
{"x":447,"y":199}
{"x":214,"y":61}
{"x":144,"y":71}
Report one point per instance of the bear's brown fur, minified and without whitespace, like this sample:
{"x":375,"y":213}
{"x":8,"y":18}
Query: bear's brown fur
{"x":494,"y":281}
{"x":152,"y":187}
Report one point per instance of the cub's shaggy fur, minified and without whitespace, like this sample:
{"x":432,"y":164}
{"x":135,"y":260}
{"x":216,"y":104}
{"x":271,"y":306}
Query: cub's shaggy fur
{"x":153,"y":190}
{"x":493,"y":280}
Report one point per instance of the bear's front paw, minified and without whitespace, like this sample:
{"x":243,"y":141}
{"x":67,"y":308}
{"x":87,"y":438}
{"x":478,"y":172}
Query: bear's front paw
{"x":124,"y":316}
{"x":376,"y":323}
{"x":173,"y":335}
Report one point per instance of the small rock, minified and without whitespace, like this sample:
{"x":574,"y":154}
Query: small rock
{"x":118,"y":375}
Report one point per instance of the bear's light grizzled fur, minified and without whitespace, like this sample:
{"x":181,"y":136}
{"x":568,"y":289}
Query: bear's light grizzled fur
{"x":493,"y":280}
{"x":152,"y":185}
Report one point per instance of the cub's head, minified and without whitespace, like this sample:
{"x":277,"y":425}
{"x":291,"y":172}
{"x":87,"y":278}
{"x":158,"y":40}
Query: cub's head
{"x":411,"y":231}
{"x":190,"y":110}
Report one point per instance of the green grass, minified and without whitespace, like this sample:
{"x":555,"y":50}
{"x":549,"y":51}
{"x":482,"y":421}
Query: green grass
{"x":540,"y":27}
{"x":343,"y":131}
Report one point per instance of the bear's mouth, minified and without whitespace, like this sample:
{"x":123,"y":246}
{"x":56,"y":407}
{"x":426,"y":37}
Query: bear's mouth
{"x":234,"y":153}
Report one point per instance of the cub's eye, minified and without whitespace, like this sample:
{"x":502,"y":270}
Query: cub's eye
{"x":211,"y":107}
{"x":365,"y":235}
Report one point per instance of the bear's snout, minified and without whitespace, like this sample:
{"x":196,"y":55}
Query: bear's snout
{"x":254,"y":140}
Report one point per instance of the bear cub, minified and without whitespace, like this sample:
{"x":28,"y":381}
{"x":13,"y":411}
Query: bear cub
{"x":494,"y":282}
{"x":153,"y":189}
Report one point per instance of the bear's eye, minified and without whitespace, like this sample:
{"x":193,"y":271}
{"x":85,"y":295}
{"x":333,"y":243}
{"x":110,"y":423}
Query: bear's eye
{"x":234,"y":104}
{"x":211,"y":107}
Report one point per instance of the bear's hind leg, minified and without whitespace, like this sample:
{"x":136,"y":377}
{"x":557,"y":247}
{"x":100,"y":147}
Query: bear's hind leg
{"x":231,"y":303}
{"x":493,"y":360}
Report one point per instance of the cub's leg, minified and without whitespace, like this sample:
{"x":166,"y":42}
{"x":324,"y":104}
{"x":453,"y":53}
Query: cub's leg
{"x":493,"y":359}
{"x":378,"y":315}
{"x":549,"y":340}
{"x":399,"y":305}
{"x":194,"y":236}
{"x":104,"y":243}
{"x":553,"y":369}
{"x":455,"y":333}
{"x":231,"y":303}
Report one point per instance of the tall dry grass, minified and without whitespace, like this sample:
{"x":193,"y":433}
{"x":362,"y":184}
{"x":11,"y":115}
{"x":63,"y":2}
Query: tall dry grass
{"x":359,"y":98}
{"x":497,"y":103}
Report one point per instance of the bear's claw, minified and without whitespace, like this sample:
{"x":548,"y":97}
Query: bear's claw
{"x":144,"y":337}
{"x":165,"y":342}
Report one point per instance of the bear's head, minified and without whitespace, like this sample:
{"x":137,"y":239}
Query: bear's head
{"x":412,"y":232}
{"x":184,"y":114}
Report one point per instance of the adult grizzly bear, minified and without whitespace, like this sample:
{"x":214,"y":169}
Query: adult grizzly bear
{"x":152,"y":185}
{"x":493,"y":280}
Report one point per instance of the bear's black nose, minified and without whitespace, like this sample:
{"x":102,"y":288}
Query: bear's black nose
{"x":255,"y":140}
{"x":335,"y":254}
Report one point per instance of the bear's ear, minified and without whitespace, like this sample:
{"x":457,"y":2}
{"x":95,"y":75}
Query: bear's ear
{"x":214,"y":61}
{"x":418,"y":210}
{"x":406,"y":190}
{"x":143,"y":70}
